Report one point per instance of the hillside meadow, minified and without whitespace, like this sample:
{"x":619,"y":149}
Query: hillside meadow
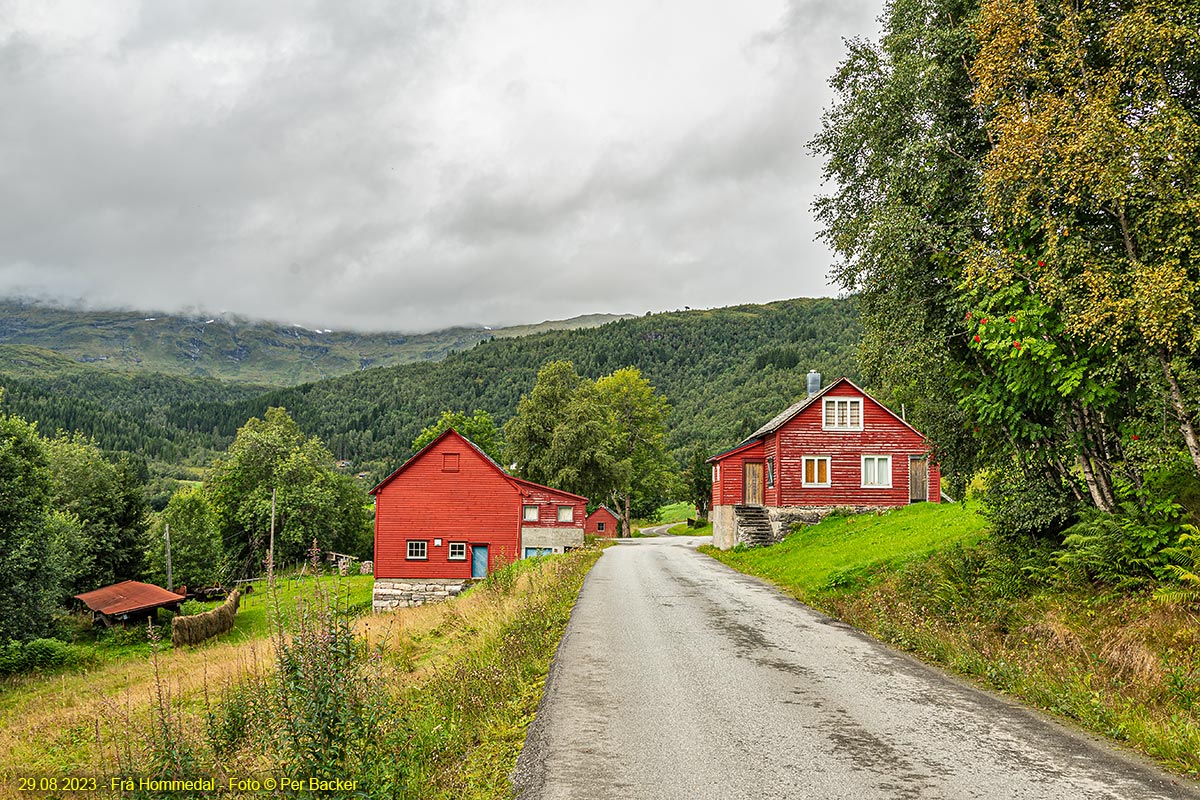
{"x":421,"y":702}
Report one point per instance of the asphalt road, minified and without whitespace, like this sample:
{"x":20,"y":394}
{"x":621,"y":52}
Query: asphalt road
{"x":681,"y":678}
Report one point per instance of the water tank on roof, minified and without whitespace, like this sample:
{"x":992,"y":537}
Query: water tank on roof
{"x":814,"y":382}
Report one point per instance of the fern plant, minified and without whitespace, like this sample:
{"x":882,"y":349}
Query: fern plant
{"x":1183,"y":565}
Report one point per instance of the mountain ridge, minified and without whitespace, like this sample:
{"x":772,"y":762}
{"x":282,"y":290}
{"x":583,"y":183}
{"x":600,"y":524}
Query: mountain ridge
{"x":236,"y":349}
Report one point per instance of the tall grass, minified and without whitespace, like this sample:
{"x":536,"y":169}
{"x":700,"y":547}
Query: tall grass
{"x":424,"y":702}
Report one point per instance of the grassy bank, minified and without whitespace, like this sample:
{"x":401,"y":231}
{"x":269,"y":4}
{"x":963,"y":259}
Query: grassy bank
{"x":423,"y":702}
{"x":927,"y":579}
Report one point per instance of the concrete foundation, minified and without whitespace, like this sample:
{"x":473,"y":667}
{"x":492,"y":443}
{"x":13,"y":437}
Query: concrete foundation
{"x":401,"y":593}
{"x":724,"y":527}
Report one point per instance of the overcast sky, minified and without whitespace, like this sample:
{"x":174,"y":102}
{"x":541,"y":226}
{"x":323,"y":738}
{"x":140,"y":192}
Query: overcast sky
{"x":411,"y":165}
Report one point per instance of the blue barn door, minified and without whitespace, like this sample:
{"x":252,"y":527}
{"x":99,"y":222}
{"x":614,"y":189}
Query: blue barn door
{"x":479,"y":560}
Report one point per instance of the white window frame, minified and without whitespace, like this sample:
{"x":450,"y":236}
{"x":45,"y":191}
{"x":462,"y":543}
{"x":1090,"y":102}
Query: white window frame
{"x":834,"y":405}
{"x":570,"y":513}
{"x":423,"y":549}
{"x":462,"y":547}
{"x":525,"y":513}
{"x":816,"y":471}
{"x":876,"y":459}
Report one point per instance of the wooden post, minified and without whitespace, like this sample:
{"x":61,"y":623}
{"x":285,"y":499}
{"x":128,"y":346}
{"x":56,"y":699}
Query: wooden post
{"x":167,"y":537}
{"x":271,"y":547}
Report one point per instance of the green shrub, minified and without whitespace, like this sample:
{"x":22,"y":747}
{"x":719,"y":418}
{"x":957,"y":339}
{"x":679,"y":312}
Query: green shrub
{"x":1021,"y":504}
{"x":42,"y":655}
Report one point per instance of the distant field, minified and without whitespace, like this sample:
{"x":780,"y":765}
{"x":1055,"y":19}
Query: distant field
{"x":842,"y":552}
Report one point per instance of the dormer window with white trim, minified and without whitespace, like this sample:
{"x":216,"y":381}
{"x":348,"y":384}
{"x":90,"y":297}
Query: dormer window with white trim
{"x":843,"y":414}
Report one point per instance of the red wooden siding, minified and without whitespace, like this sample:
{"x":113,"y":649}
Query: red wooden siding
{"x":476,"y":504}
{"x":547,"y":500}
{"x":727,"y":491}
{"x":882,"y":434}
{"x":609,"y":519}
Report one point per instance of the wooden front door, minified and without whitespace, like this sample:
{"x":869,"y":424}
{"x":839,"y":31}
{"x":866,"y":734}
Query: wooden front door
{"x":752,"y":486}
{"x":918,"y":479}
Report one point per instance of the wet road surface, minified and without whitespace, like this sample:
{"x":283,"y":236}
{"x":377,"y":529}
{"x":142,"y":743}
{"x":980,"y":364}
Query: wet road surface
{"x":681,"y":678}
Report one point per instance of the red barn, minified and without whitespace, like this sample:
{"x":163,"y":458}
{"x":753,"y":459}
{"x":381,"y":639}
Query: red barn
{"x":838,"y":447}
{"x":451,"y":514}
{"x":602,"y":522}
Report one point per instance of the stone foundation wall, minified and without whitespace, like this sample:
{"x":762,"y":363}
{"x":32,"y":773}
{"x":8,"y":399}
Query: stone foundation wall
{"x":784,"y":517}
{"x":401,"y":593}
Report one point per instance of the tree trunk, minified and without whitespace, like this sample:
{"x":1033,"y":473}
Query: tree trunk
{"x":1182,"y":412}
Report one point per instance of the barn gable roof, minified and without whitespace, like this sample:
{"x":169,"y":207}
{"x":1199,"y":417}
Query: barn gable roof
{"x":605,"y":508}
{"x":519,"y":484}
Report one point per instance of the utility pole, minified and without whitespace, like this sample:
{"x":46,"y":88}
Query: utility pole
{"x":167,"y":537}
{"x":271,"y":548}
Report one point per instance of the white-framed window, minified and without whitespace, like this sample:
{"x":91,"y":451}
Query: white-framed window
{"x":566,"y":513}
{"x":599,"y":527}
{"x":816,"y":470}
{"x":418,"y":550}
{"x":877,"y":471}
{"x":530,"y":514}
{"x":843,"y":414}
{"x":770,"y":470}
{"x":716,"y":473}
{"x":458,"y":551}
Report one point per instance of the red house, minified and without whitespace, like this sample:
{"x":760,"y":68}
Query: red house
{"x":838,"y":447}
{"x":602,"y":522}
{"x":451,"y":514}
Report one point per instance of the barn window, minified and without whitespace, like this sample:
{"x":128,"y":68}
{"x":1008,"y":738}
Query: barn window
{"x":877,"y":471}
{"x":449,"y":462}
{"x":843,"y":414}
{"x":531,"y":514}
{"x":418,"y":550}
{"x":458,"y":551}
{"x":770,"y":470}
{"x":716,"y":473}
{"x":566,"y":513}
{"x":816,"y":470}
{"x":599,"y":527}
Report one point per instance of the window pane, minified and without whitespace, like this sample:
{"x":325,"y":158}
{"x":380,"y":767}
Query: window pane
{"x":566,"y":513}
{"x":531,"y":513}
{"x":855,"y":413}
{"x":842,"y":414}
{"x":829,"y":418}
{"x":809,"y":470}
{"x":822,"y":470}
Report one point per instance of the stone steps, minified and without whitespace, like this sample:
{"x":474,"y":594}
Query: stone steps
{"x":754,"y":526}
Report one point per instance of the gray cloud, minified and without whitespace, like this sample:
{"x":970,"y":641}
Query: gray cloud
{"x":413,"y":165}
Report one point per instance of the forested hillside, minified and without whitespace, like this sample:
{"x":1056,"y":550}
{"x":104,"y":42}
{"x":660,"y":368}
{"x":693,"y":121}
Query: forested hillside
{"x":139,"y":413}
{"x":236,"y":349}
{"x":724,"y":372}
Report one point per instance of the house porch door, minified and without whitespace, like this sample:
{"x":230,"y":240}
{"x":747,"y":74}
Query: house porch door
{"x":752,"y":485}
{"x":918,"y":479}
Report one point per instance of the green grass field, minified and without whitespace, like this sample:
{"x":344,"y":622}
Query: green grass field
{"x":841,"y":553}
